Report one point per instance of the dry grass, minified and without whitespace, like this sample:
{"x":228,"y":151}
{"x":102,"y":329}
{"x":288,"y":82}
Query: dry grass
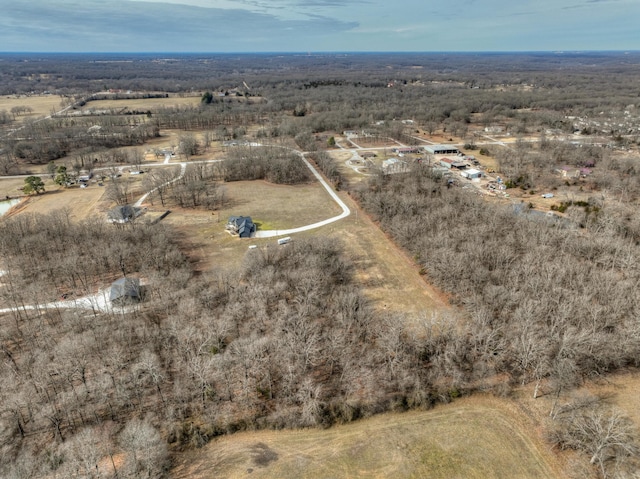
{"x":270,"y":206}
{"x":12,"y":187}
{"x":479,"y":437}
{"x":82,"y":202}
{"x":622,"y":390}
{"x":389,"y":277}
{"x":142,"y":104}
{"x":42,"y":105}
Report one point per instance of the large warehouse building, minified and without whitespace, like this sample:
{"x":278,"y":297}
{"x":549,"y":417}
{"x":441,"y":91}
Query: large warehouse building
{"x":442,"y":149}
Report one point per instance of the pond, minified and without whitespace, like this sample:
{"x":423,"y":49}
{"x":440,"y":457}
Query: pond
{"x":7,"y":204}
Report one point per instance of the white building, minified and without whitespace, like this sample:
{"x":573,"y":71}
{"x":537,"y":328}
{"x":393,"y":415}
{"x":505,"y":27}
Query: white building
{"x":471,"y":174}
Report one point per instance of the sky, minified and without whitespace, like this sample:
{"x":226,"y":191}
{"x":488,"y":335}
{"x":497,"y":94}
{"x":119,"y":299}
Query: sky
{"x":218,"y":26}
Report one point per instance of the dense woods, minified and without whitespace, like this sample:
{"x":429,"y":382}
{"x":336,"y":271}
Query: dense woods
{"x":286,"y":341}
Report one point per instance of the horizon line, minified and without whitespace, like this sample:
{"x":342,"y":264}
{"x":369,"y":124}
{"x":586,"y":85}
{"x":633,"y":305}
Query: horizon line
{"x":318,"y":52}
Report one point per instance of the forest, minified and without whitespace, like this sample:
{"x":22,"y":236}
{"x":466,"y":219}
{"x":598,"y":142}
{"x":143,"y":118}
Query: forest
{"x":540,"y":300}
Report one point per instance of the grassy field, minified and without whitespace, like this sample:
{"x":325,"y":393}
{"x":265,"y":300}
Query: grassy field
{"x":82,"y":202}
{"x":478,"y":437}
{"x":142,"y":104}
{"x":42,"y":105}
{"x":270,"y":206}
{"x":389,"y":277}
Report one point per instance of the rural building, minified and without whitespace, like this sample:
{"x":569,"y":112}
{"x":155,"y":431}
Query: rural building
{"x":449,"y":163}
{"x":123,"y":214}
{"x":472,"y":173}
{"x":350,"y":133}
{"x":441,"y":149}
{"x":368,"y":154}
{"x":241,"y":226}
{"x":406,"y":149}
{"x":394,"y":165}
{"x":125,"y":291}
{"x":569,"y":172}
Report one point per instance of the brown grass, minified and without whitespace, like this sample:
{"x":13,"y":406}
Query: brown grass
{"x":142,"y":104}
{"x":389,"y":277}
{"x":82,"y":202}
{"x":42,"y":105}
{"x":478,"y":437}
{"x":271,"y":206}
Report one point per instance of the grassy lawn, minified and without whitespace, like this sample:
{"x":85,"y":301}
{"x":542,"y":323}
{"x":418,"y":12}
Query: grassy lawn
{"x":479,"y":437}
{"x":270,"y":206}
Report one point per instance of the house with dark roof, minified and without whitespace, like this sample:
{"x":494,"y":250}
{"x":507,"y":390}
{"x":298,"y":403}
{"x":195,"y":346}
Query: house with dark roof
{"x":123,"y":213}
{"x":241,"y":226}
{"x":125,"y":291}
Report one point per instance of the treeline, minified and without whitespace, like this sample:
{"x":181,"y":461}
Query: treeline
{"x":328,"y":167}
{"x":277,"y":165}
{"x":547,"y":300}
{"x":199,"y":186}
{"x":211,"y":116}
{"x":287,"y":340}
{"x":46,"y":140}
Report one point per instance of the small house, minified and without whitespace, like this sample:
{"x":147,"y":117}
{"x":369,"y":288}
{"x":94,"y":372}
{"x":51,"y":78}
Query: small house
{"x":123,"y":214}
{"x":446,"y":163}
{"x":125,"y":291}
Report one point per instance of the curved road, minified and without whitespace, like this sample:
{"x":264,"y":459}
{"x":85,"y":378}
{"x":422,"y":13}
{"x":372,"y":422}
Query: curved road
{"x":345,"y":209}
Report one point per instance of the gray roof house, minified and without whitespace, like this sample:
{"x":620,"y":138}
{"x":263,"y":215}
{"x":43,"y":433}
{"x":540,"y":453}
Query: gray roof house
{"x":125,"y":291}
{"x":123,"y":214}
{"x":241,"y":226}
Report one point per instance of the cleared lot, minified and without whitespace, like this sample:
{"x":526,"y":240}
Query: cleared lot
{"x":478,"y":437}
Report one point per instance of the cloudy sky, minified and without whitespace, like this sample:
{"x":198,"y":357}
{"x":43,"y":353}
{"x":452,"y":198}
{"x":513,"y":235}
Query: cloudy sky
{"x":317,"y":25}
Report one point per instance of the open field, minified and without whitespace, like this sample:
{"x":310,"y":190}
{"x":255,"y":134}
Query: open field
{"x":42,"y":105}
{"x":142,"y":104}
{"x":270,"y":206}
{"x":479,"y":437}
{"x":12,"y":187}
{"x":82,"y":202}
{"x":389,"y":277}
